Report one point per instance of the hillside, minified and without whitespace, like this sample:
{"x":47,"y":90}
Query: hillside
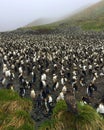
{"x":91,"y":18}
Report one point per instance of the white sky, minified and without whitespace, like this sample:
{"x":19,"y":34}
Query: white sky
{"x":17,"y":13}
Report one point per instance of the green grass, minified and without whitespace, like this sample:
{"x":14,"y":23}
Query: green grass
{"x":60,"y":107}
{"x":7,"y":95}
{"x":86,"y":119}
{"x":93,"y":26}
{"x":15,"y":112}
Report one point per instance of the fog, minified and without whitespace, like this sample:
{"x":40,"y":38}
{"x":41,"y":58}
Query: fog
{"x":18,"y":13}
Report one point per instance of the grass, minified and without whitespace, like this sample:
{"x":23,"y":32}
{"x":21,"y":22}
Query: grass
{"x":14,"y":112}
{"x":59,"y":107}
{"x":7,"y":95}
{"x":86,"y":119}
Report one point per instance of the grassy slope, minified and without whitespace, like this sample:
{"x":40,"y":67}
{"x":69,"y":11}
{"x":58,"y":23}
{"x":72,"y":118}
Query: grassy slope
{"x":14,"y":112}
{"x":87,"y":119}
{"x":91,"y":18}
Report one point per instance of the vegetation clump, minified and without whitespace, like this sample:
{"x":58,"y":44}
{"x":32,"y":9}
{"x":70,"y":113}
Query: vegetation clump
{"x":86,"y":119}
{"x":14,"y":112}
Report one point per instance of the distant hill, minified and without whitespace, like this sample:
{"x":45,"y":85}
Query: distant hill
{"x":41,"y":21}
{"x":91,"y":18}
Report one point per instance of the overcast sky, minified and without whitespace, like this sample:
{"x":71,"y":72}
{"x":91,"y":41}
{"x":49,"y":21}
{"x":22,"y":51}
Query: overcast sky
{"x":17,"y":13}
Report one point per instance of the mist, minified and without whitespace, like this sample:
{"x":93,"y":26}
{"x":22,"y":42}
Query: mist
{"x":18,"y":13}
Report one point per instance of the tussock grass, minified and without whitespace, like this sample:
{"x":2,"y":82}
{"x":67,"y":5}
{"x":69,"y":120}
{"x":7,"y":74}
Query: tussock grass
{"x":14,"y":112}
{"x":61,"y":106}
{"x":8,"y":95}
{"x":86,"y":119}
